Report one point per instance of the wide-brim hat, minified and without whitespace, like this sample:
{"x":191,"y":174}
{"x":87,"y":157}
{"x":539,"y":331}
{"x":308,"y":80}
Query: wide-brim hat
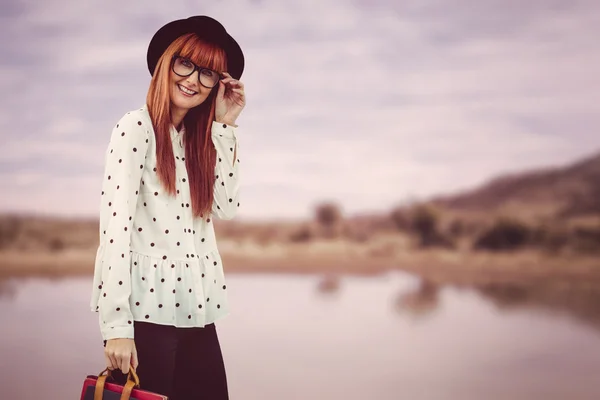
{"x":206,"y":28}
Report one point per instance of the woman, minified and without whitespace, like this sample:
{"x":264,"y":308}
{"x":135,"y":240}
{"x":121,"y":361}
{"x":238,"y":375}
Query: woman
{"x":171,"y":167}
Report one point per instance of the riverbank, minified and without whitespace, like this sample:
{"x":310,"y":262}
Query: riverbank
{"x":565,"y":283}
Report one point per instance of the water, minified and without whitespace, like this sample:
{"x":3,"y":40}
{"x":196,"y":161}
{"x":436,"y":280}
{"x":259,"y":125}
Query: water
{"x":286,"y":339}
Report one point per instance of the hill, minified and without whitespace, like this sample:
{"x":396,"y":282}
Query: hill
{"x":571,"y":191}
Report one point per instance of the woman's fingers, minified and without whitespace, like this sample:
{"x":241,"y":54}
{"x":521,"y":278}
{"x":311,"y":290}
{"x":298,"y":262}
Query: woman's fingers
{"x":108,"y":362}
{"x":125,"y":360}
{"x":111,"y":361}
{"x":134,"y":358}
{"x":232,"y":81}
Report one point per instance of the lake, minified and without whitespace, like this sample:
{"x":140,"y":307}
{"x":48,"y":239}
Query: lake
{"x":293,"y":337}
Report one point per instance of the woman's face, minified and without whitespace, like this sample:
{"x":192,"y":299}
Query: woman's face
{"x":186,"y":92}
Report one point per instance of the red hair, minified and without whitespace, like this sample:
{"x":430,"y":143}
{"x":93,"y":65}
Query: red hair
{"x":200,"y":153}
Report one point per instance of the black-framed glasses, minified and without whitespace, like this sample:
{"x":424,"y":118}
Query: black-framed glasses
{"x":185,"y":67}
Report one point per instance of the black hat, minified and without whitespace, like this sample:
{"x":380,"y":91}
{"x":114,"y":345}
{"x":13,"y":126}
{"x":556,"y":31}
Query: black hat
{"x":207,"y":29}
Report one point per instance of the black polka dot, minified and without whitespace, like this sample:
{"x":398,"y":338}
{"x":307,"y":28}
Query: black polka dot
{"x":176,"y":304}
{"x":151,"y":290}
{"x":139,"y":122}
{"x":147,"y":316}
{"x":224,"y":287}
{"x":118,"y":308}
{"x":137,"y":303}
{"x":162,"y":280}
{"x":160,"y":306}
{"x":120,"y":282}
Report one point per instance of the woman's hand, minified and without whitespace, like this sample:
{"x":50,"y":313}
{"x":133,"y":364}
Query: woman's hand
{"x":120,"y":353}
{"x":230,"y":100}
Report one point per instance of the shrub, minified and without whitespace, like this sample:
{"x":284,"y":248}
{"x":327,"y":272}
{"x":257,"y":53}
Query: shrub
{"x":586,"y":240}
{"x":10,"y":227}
{"x":328,"y":214}
{"x":329,"y":220}
{"x":552,"y":238}
{"x":505,"y":234}
{"x":424,"y":221}
{"x":303,"y":234}
{"x":400,"y":219}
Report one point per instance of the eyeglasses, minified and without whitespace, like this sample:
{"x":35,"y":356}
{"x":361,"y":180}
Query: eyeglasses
{"x":184,"y":67}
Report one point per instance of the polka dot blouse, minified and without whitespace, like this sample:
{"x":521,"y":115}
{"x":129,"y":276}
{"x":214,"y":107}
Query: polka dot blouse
{"x":155,"y":261}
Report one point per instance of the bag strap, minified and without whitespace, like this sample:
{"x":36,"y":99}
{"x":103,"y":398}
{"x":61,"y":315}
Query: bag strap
{"x":100,"y":384}
{"x":132,"y":382}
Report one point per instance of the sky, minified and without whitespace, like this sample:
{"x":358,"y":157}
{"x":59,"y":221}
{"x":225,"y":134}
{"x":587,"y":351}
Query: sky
{"x":367,"y":103}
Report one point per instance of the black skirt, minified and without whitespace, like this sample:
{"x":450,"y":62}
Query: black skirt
{"x":181,"y":363}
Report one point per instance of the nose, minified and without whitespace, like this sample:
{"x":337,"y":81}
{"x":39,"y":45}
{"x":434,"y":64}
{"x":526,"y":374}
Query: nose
{"x":193,"y":79}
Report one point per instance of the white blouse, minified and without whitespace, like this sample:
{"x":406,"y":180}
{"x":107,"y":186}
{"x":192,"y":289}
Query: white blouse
{"x":155,"y":262}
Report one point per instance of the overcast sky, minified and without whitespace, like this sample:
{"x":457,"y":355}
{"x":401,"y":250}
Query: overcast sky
{"x":367,"y":103}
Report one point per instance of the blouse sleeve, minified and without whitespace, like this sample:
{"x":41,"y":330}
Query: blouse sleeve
{"x":227,"y":182}
{"x":125,"y":159}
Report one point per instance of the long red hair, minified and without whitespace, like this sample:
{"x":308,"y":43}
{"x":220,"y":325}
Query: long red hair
{"x":200,"y":153}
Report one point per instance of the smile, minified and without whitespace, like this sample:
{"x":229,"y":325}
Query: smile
{"x":186,"y":91}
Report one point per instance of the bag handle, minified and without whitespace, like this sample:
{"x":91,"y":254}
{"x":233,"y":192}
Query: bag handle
{"x":133,"y":381}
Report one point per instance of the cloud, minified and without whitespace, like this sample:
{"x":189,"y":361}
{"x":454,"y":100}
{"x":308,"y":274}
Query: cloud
{"x":367,"y":102}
